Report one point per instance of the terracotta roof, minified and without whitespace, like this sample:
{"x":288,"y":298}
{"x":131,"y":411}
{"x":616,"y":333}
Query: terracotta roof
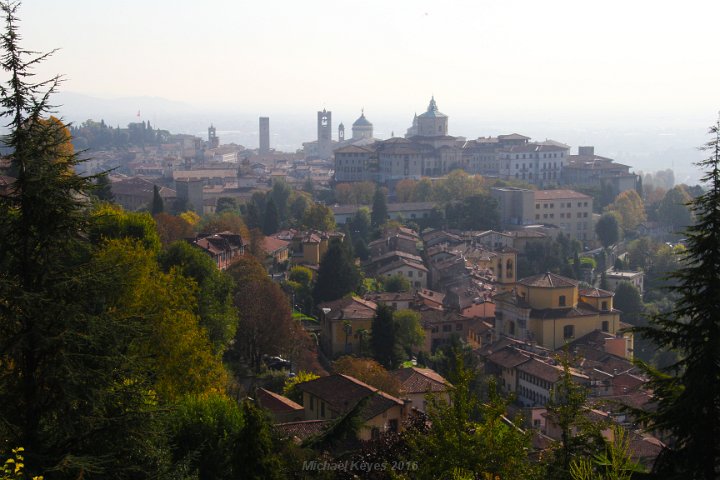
{"x":560,"y":195}
{"x":541,"y":370}
{"x":276,"y":403}
{"x":389,"y":297}
{"x":399,"y":264}
{"x":349,"y":308}
{"x":508,"y":357}
{"x":343,"y":392}
{"x":271,"y":245}
{"x":301,"y":430}
{"x":548,"y":280}
{"x":420,"y":380}
{"x":595,"y":293}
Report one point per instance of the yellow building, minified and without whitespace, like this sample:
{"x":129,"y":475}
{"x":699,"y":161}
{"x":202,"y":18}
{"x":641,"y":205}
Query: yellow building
{"x":346,"y":324}
{"x":551,"y":310}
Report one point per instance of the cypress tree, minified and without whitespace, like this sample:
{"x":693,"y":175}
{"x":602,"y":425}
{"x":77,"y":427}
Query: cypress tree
{"x":270,"y":222}
{"x":337,"y":275}
{"x":158,"y":206}
{"x":382,"y":338}
{"x":688,"y":391}
{"x":379,"y":209}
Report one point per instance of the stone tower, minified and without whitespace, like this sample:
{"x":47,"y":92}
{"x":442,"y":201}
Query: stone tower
{"x":264,"y":135}
{"x":213,"y":140}
{"x":341,"y":133}
{"x":324,"y":126}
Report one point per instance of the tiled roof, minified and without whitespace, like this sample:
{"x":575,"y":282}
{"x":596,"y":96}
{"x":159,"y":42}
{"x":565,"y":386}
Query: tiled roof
{"x":343,"y":392}
{"x":420,"y":380}
{"x":399,"y":264}
{"x":301,"y":430}
{"x":548,"y":280}
{"x":541,"y":370}
{"x":271,"y":245}
{"x":595,"y":293}
{"x":349,"y":308}
{"x":276,"y":403}
{"x":560,"y":195}
{"x":389,"y":297}
{"x":508,"y":357}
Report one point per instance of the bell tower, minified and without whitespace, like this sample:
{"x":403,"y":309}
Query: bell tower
{"x":324,"y":125}
{"x":341,"y":133}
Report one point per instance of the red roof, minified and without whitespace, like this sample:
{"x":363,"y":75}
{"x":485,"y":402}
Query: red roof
{"x":420,"y":380}
{"x":276,"y":403}
{"x":548,"y":280}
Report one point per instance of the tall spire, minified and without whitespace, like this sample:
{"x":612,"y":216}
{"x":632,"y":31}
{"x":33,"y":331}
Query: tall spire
{"x":433,"y":106}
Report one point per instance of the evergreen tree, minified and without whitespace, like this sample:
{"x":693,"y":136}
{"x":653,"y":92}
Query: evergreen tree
{"x":71,"y":392}
{"x":688,"y":391}
{"x":255,"y":457}
{"x":608,"y":229}
{"x":579,"y":436}
{"x":271,"y":221}
{"x":103,"y":190}
{"x":337,"y":275}
{"x":158,"y":206}
{"x":629,"y":302}
{"x":382,"y":339}
{"x":379,"y":209}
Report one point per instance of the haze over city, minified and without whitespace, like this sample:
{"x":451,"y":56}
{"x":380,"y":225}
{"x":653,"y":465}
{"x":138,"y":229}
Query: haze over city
{"x":631,"y":80}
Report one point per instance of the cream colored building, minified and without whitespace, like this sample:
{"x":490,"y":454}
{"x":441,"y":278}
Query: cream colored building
{"x":570,"y":210}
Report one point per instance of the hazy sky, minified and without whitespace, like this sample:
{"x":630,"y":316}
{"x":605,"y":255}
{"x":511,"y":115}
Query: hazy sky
{"x":523,"y":58}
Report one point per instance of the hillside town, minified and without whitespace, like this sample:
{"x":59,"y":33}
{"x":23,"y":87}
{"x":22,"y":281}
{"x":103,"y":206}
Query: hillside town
{"x":422,"y":306}
{"x":494,"y":249}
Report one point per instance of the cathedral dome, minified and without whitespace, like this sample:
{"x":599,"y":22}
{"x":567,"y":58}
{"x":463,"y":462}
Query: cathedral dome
{"x":432,"y":110}
{"x":362,"y":121}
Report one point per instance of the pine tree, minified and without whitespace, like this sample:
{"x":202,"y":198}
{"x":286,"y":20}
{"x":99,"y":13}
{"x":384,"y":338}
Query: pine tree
{"x":70,"y":393}
{"x":688,"y":391}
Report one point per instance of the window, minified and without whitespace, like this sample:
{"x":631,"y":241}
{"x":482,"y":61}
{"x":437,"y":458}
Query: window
{"x":420,"y":274}
{"x":561,"y":300}
{"x":447,"y":328}
{"x":322,"y":409}
{"x":410,"y":273}
{"x":537,"y":217}
{"x":434,"y":330}
{"x":393,"y":425}
{"x":569,"y":331}
{"x":537,"y":206}
{"x":312,"y":403}
{"x":511,"y":328}
{"x":458,"y":327}
{"x":604,"y":305}
{"x":605,"y":326}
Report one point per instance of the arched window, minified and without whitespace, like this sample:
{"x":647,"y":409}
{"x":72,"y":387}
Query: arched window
{"x":509,"y":269}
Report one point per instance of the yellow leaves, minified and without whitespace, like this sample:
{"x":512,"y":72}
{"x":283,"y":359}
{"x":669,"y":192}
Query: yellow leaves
{"x":190,"y":217}
{"x":630,"y":208}
{"x":14,"y":467}
{"x":177,"y":350}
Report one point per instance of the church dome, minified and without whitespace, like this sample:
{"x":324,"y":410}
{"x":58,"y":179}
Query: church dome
{"x":362,"y":121}
{"x":432,"y":110}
